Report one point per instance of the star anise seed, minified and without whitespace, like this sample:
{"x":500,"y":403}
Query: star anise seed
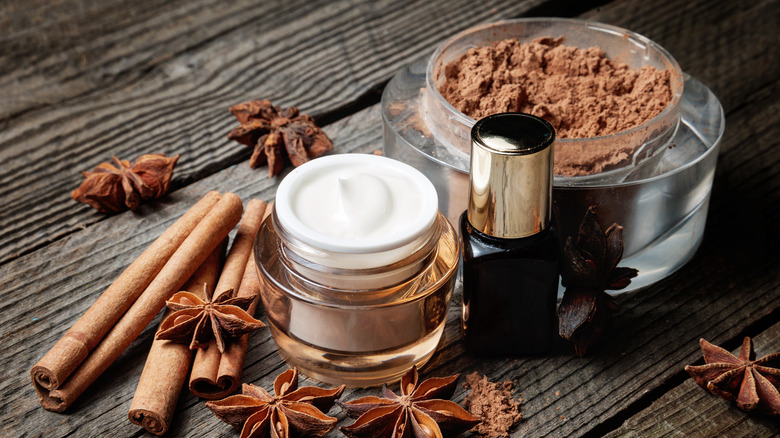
{"x":113,"y":188}
{"x":591,"y":259}
{"x":271,"y":130}
{"x":290,"y":412}
{"x":584,"y":315}
{"x":589,"y":268}
{"x":752,"y":383}
{"x":417,"y":412}
{"x":195,"y":321}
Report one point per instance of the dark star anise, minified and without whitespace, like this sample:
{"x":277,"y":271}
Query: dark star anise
{"x":114,"y":188}
{"x":589,"y":268}
{"x":291,"y":412}
{"x":751,"y":383}
{"x":268,"y":128}
{"x":196,"y":322}
{"x":417,"y":412}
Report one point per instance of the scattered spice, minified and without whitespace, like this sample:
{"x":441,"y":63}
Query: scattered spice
{"x":290,"y":412}
{"x":270,"y":129}
{"x":493,"y":402}
{"x":589,"y":268}
{"x":581,"y":92}
{"x":121,"y":324}
{"x":419,"y":411}
{"x":113,"y":188}
{"x":196,"y":321}
{"x":168,"y":363}
{"x":216,"y":375}
{"x":753,"y":384}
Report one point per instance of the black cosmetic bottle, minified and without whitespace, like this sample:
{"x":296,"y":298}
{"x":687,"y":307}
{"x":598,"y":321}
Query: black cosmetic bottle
{"x":510,"y":251}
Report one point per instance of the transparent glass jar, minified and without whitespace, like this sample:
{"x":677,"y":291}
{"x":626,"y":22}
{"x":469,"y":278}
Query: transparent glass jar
{"x":356,"y":286}
{"x":359,"y":337}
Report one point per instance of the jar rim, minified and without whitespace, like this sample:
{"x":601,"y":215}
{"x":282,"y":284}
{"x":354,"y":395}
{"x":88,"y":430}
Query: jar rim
{"x":413,"y":228}
{"x":641,"y":41}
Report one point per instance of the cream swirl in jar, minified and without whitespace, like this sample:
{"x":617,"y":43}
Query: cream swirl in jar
{"x":355,"y":212}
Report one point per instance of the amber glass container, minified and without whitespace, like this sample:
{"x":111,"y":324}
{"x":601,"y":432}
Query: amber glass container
{"x":356,"y":336}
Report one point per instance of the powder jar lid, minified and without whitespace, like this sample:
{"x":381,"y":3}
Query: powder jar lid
{"x":510,"y":180}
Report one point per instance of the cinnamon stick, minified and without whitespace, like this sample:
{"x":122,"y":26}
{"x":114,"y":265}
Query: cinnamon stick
{"x":71,"y":350}
{"x":231,"y":362}
{"x":214,"y":227}
{"x":214,"y":374}
{"x":168,"y":363}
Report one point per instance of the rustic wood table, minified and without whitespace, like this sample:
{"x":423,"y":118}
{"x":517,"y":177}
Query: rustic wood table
{"x":82,"y":80}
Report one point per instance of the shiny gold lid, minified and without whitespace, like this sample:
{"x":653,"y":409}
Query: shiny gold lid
{"x":510,"y":181}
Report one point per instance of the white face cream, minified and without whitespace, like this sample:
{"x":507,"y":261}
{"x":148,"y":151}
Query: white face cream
{"x":358,"y":267}
{"x":357,"y":211}
{"x":355,"y":204}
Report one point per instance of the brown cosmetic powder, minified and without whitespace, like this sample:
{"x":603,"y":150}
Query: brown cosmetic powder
{"x":581,"y":92}
{"x":492,"y":402}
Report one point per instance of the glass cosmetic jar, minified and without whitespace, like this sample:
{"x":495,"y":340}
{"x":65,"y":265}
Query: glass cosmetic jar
{"x":357,"y":267}
{"x":660,"y":197}
{"x":643,"y":145}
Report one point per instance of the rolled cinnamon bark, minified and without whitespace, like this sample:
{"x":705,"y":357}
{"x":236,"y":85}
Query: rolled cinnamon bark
{"x":182,"y":264}
{"x":214,"y":374}
{"x":231,"y":362}
{"x":71,"y":350}
{"x":168,"y":363}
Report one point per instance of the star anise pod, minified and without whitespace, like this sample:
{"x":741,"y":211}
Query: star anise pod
{"x":269,"y":128}
{"x":418,"y":411}
{"x":589,"y":268}
{"x":196,"y":322}
{"x":584,"y":314}
{"x":290,"y":412}
{"x":112,"y":188}
{"x":751,"y":383}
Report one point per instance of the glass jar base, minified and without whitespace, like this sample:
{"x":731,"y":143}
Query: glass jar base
{"x":669,"y":252}
{"x":666,"y":254}
{"x":360,"y":369}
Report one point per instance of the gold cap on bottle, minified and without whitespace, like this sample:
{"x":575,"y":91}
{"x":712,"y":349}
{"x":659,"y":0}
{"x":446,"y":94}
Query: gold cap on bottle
{"x":510,"y":181}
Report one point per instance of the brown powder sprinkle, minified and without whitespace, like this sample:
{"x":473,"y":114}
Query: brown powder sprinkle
{"x":492,"y":402}
{"x":581,"y":92}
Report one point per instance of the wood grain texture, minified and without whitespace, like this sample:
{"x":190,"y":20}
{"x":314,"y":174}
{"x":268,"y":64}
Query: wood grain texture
{"x":688,"y":410}
{"x":728,"y":289}
{"x":563,"y":395}
{"x":47,"y":290}
{"x":92,"y":82}
{"x":728,"y":46}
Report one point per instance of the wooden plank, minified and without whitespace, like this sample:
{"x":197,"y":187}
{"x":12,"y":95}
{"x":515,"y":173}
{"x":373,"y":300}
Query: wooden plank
{"x":53,"y":53}
{"x":728,"y":286}
{"x":47,"y":290}
{"x":691,"y":411}
{"x":162,"y":81}
{"x":563,"y":395}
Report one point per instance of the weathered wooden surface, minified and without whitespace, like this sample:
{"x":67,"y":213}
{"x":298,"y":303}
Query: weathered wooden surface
{"x":687,"y":410}
{"x":142,"y":83}
{"x":73,"y":271}
{"x":85,"y":81}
